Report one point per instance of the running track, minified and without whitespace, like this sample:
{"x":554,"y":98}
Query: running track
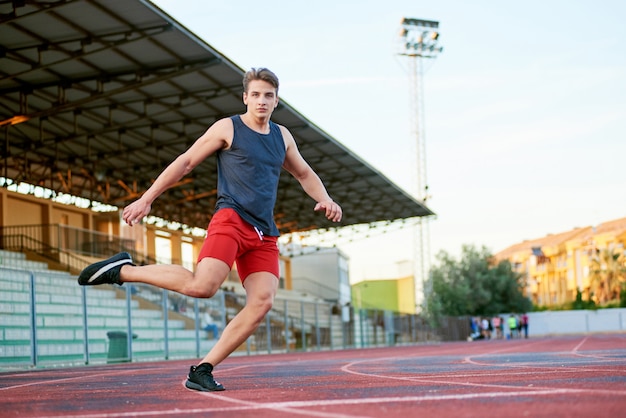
{"x":581,"y":376}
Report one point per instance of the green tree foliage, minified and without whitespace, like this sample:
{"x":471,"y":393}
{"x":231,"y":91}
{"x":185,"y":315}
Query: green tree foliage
{"x":579,"y":303}
{"x":473,"y":285}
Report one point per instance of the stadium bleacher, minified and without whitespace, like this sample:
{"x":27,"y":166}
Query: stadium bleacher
{"x":66,"y":315}
{"x":60,"y":330}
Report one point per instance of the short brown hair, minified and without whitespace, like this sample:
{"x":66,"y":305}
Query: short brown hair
{"x":260,"y":74}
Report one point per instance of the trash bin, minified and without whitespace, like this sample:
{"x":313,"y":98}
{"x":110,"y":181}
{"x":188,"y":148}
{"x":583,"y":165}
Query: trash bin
{"x":118,"y":347}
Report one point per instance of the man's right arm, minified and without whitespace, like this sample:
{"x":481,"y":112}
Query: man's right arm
{"x":218,"y":136}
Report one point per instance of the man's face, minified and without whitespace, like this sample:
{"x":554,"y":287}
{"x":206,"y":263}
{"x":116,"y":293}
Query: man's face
{"x":261,"y":98}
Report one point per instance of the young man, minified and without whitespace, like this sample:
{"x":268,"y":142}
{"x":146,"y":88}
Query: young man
{"x":250,"y":152}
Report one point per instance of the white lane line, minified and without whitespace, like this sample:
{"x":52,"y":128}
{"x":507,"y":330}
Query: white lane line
{"x":290,"y":406}
{"x":580,"y":344}
{"x":438,"y":380}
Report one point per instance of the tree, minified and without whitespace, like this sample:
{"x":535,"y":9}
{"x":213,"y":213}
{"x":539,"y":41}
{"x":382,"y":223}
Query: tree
{"x":579,"y":303}
{"x":473,"y":285}
{"x":608,"y":275}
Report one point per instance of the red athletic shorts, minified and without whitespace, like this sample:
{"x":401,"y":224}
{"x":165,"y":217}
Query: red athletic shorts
{"x":230,"y":238}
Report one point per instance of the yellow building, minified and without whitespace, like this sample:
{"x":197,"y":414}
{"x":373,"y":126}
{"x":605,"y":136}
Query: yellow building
{"x":556,"y":265}
{"x":396,"y":295}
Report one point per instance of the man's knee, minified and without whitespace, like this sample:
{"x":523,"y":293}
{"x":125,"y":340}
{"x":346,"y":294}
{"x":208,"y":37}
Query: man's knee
{"x":198,"y":288}
{"x":261,"y":304}
{"x":259,"y":313}
{"x":202,"y":293}
{"x":265,"y":305}
{"x":261,"y":290}
{"x":209,"y":276}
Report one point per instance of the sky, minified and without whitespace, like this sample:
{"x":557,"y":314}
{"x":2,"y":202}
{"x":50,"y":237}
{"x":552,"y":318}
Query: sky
{"x":524,"y":109}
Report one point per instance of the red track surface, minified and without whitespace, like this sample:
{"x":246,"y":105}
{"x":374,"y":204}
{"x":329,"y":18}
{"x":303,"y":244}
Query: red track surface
{"x":582,"y":376}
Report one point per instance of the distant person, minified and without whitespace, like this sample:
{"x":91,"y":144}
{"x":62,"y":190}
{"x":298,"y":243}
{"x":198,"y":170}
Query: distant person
{"x":475,"y":328}
{"x":486,"y":328}
{"x":251,"y":150}
{"x":512,"y":323}
{"x":209,"y":324}
{"x":496,"y":321}
{"x":524,"y":324}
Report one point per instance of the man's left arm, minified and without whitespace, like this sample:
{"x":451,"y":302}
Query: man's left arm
{"x":308,"y":179}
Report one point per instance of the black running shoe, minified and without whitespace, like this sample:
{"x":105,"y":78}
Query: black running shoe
{"x":201,"y":378}
{"x":107,"y":271}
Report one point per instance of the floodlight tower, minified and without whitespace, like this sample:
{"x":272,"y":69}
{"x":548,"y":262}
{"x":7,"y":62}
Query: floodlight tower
{"x":418,"y":41}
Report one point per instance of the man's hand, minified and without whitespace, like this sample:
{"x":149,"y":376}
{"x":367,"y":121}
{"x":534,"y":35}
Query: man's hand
{"x":332,"y":210}
{"x":135,"y":212}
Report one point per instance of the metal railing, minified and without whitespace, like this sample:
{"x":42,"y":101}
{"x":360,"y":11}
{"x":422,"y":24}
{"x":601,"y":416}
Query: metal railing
{"x":65,"y":259}
{"x":47,"y":319}
{"x":65,"y":238}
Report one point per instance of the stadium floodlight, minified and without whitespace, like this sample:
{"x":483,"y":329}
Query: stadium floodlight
{"x":419,"y":38}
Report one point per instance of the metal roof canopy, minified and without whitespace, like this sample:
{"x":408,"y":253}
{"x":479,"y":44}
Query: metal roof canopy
{"x":98,"y":96}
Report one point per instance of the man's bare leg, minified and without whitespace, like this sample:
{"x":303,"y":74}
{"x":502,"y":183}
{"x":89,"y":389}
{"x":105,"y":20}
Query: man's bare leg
{"x":204,"y":283}
{"x":261,"y":290}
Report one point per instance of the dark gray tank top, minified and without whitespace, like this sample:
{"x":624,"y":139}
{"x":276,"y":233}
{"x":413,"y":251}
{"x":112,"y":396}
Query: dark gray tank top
{"x":248,"y":174}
